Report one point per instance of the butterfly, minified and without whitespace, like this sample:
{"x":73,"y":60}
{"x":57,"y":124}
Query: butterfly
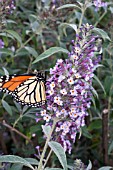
{"x":27,"y":89}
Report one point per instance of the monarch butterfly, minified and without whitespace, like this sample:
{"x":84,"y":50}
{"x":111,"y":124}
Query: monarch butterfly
{"x":27,"y":89}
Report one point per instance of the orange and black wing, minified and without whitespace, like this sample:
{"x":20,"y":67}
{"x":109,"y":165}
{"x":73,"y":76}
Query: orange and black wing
{"x":26,"y":89}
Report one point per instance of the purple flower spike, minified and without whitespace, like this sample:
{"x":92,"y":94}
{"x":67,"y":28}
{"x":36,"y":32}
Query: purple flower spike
{"x":69,"y":89}
{"x":99,"y":3}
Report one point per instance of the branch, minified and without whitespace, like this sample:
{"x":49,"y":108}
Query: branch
{"x":15,"y":130}
{"x":105,"y":137}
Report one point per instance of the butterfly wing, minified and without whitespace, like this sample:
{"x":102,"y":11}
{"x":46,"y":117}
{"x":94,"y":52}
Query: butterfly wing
{"x":26,"y":89}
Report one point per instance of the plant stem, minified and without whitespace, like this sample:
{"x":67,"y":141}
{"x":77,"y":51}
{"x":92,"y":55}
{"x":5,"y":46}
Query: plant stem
{"x":20,"y":117}
{"x":42,"y":41}
{"x":50,"y":152}
{"x":46,"y":144}
{"x":105,"y":138}
{"x":23,"y":45}
{"x":15,"y":130}
{"x":81,"y":18}
{"x":102,"y":16}
{"x":28,"y":40}
{"x":82,"y":15}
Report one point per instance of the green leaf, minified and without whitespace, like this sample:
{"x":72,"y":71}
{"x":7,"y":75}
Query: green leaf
{"x":110,"y":149}
{"x":94,"y":92}
{"x":34,"y":128}
{"x":15,"y":35}
{"x":7,"y":107}
{"x":89,"y":4}
{"x":86,"y":133}
{"x":89,"y":167}
{"x":69,"y":6}
{"x":21,"y":52}
{"x":105,"y":168}
{"x":36,"y":27}
{"x":108,"y":82}
{"x":18,"y":106}
{"x":9,"y":21}
{"x":96,"y":78}
{"x":25,"y":109}
{"x":32,"y":18}
{"x":103,"y":34}
{"x":31,"y":110}
{"x":73,"y":26}
{"x":31,"y":51}
{"x":95,"y":124}
{"x":50,"y":52}
{"x":59,"y":151}
{"x":16,"y":167}
{"x":5,"y":71}
{"x":32,"y":161}
{"x":4,"y":34}
{"x":81,"y":4}
{"x":6,"y":51}
{"x":46,"y":130}
{"x":15,"y":159}
{"x":30,"y":115}
{"x":47,"y":3}
{"x":111,"y":9}
{"x":70,"y":167}
{"x":53,"y":169}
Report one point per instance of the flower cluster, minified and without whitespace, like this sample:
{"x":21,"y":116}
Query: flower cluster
{"x":69,"y":89}
{"x":1,"y":44}
{"x":79,"y":165}
{"x":99,"y":3}
{"x":7,"y":6}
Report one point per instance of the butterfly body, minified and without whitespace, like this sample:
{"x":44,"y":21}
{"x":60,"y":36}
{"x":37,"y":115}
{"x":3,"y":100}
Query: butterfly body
{"x":27,"y":89}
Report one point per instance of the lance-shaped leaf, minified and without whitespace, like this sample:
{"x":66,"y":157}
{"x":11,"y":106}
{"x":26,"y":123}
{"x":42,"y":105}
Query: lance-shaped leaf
{"x":7,"y":107}
{"x":64,"y":25}
{"x":16,"y":166}
{"x":59,"y":151}
{"x":69,"y":6}
{"x":16,"y":160}
{"x":46,"y":130}
{"x":105,"y":168}
{"x":96,"y":78}
{"x":50,"y":52}
{"x":15,"y":35}
{"x":53,"y":169}
{"x":89,"y":167}
{"x":6,"y":51}
{"x":32,"y":161}
{"x":103,"y":34}
{"x":31,"y":51}
{"x":110,"y":149}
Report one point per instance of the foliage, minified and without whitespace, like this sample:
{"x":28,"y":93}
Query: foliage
{"x":31,"y":34}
